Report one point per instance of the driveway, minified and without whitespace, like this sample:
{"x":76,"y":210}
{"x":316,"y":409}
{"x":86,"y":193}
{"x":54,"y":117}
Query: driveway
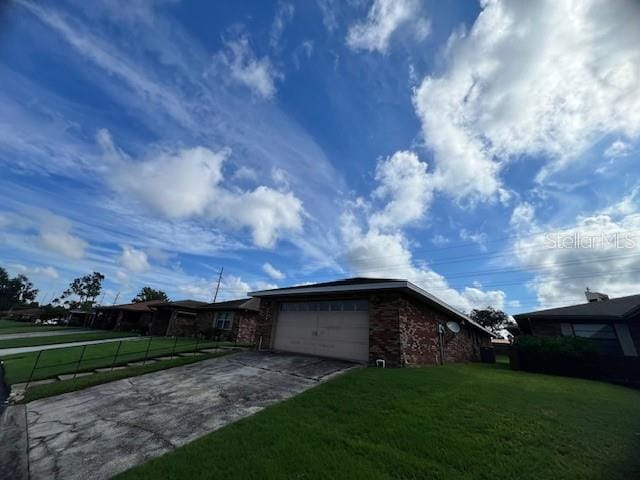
{"x":101,"y":431}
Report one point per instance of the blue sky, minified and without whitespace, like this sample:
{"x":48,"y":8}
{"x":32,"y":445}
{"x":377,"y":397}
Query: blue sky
{"x":294,"y":142}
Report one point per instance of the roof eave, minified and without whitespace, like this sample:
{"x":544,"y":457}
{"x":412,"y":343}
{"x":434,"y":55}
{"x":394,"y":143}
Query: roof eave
{"x":396,"y":285}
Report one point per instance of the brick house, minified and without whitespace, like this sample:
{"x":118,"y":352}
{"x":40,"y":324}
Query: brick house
{"x":233,"y":320}
{"x":365,"y":320}
{"x":130,"y":317}
{"x":612,"y":324}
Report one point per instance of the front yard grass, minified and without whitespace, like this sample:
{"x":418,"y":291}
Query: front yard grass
{"x":12,"y":326}
{"x":65,"y":360}
{"x":73,"y":337}
{"x":460,"y":421}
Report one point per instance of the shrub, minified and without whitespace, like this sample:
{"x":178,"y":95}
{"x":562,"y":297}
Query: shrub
{"x":572,"y":356}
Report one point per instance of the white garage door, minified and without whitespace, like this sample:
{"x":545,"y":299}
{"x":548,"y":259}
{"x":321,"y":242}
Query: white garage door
{"x":327,"y":329}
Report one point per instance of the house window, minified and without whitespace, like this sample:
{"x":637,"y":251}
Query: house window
{"x":324,"y":306}
{"x":223,"y":320}
{"x":602,"y":334}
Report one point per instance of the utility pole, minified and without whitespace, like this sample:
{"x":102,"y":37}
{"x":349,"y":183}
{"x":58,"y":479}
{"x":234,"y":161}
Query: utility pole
{"x":116,"y":299}
{"x":215,"y":296}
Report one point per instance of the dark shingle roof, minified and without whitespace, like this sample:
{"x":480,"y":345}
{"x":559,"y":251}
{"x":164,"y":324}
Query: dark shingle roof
{"x":614,"y":308}
{"x":193,"y":304}
{"x":345,"y":282}
{"x":136,"y":307}
{"x":241,"y":303}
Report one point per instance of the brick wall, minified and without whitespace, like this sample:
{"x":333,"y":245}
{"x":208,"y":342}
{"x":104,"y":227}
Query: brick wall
{"x":420,"y":340}
{"x":244,"y":326}
{"x":264,"y":322}
{"x":384,"y":328}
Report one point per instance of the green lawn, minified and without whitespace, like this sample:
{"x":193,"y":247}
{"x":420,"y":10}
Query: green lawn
{"x":65,"y":360}
{"x":455,"y":422}
{"x":76,"y":337}
{"x":11,"y":326}
{"x":58,"y":388}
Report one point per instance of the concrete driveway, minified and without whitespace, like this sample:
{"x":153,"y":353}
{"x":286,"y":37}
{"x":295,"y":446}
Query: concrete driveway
{"x":101,"y":431}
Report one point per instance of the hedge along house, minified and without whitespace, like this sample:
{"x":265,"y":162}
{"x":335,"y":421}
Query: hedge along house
{"x":132,"y":317}
{"x":366,"y":320}
{"x":612,"y":324}
{"x":233,"y":320}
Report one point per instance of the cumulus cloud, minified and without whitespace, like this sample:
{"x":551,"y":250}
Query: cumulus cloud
{"x":376,"y":245}
{"x":189,"y":183}
{"x":272,"y":271}
{"x":134,"y":260}
{"x":373,"y":253}
{"x":55,"y":235}
{"x":245,"y":68}
{"x":599,"y":251}
{"x":405,"y":185}
{"x":383,"y":19}
{"x":546,"y":78}
{"x":175,"y":184}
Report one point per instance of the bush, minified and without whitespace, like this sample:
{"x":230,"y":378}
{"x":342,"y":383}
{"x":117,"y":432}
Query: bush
{"x":571,"y":356}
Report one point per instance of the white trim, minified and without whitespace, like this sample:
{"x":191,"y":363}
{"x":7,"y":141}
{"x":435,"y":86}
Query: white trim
{"x":367,"y":287}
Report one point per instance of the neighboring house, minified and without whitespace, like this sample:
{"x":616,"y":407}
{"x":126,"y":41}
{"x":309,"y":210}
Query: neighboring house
{"x":177,"y":318}
{"x":22,"y":313}
{"x":233,"y":320}
{"x":131,"y":317}
{"x":78,"y":318}
{"x":366,"y":320}
{"x":612,"y":324}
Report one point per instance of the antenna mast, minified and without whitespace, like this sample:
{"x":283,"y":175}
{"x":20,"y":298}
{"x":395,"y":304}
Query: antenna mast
{"x":215,"y":296}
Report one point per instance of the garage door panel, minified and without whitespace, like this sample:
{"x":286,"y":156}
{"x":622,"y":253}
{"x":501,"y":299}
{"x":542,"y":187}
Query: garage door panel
{"x":335,"y":334}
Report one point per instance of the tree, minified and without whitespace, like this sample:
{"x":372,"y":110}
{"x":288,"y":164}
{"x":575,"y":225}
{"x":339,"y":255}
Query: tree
{"x":15,"y":291}
{"x":490,"y":318}
{"x":147,"y":294}
{"x":86,"y":289}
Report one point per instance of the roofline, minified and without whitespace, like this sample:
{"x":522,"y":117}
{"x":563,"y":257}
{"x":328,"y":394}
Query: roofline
{"x":393,"y":285}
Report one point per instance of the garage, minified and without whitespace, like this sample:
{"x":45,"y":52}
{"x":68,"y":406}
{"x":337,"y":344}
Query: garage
{"x":338,"y":329}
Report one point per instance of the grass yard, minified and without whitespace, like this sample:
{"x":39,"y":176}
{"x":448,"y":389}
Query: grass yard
{"x":11,"y":326}
{"x":65,"y":360}
{"x":455,"y":422}
{"x":58,"y":388}
{"x":50,"y":340}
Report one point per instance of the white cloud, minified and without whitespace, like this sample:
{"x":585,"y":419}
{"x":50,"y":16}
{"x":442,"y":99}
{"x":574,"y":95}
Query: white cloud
{"x":439,"y":240}
{"x":383,"y":19}
{"x":628,"y":205}
{"x":376,"y":246}
{"x":598,"y":251}
{"x":47,"y":272}
{"x":272,"y":271}
{"x":188,"y":183}
{"x":372,"y":253}
{"x":284,"y":14}
{"x":523,"y":216}
{"x":406,"y":185}
{"x":257,"y":74}
{"x":476,"y":237}
{"x":134,"y":260}
{"x":617,"y":149}
{"x":543,"y":78}
{"x":177,"y":184}
{"x":328,"y":10}
{"x":55,"y":235}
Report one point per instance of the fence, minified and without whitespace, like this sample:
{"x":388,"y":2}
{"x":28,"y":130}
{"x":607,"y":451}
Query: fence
{"x":107,"y":356}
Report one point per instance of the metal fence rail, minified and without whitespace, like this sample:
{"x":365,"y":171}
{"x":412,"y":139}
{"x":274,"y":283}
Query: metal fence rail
{"x":120,"y":357}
